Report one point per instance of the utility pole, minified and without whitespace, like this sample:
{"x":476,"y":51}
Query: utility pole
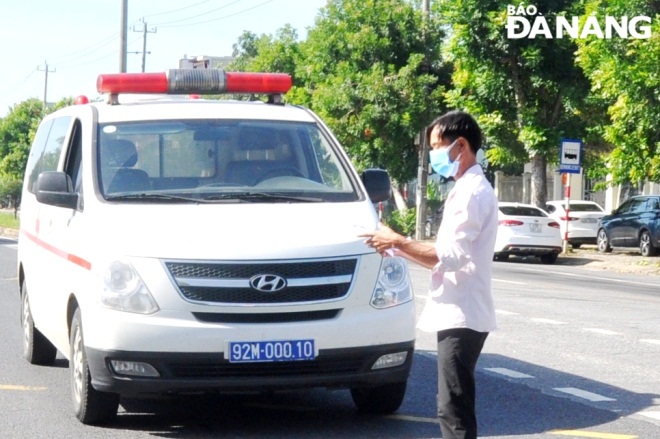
{"x":123,"y":45}
{"x":46,"y":70}
{"x":422,"y":170}
{"x":144,"y":40}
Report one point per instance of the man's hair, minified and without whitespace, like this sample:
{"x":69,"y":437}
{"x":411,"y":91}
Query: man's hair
{"x":457,"y":124}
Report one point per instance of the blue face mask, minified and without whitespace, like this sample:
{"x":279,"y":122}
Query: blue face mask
{"x":441,"y":163}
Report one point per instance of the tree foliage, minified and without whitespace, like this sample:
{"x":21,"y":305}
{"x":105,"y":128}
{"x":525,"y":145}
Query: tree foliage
{"x":526,"y":93}
{"x":17,"y":130}
{"x":624,"y":74}
{"x":372,"y":70}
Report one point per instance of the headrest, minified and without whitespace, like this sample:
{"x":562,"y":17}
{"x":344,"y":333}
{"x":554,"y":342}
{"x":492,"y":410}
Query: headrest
{"x":118,"y":153}
{"x":257,"y":138}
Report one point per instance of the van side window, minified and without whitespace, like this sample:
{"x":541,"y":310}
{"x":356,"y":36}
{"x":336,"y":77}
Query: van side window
{"x":74,"y":156}
{"x":46,"y":148}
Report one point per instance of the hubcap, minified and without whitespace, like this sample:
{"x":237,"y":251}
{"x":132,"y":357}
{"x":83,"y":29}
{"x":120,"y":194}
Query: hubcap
{"x":26,"y":324}
{"x":77,"y":364}
{"x":644,"y":243}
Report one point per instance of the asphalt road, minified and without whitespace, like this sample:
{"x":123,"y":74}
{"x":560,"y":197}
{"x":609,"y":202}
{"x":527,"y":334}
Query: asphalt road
{"x":575,"y":355}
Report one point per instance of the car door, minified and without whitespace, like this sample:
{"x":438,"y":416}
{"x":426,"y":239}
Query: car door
{"x":631,"y":222}
{"x":616,"y":223}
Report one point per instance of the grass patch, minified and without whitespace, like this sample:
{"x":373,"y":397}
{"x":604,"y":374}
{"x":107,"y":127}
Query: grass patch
{"x":8,"y":221}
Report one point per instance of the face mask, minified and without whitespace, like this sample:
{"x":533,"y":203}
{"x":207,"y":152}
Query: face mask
{"x":441,"y":163}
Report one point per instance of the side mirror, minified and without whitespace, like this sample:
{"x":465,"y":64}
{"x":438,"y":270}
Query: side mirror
{"x":377,"y":183}
{"x":55,"y":188}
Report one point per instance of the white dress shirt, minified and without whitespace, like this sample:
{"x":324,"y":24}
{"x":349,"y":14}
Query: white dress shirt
{"x":460,"y":292}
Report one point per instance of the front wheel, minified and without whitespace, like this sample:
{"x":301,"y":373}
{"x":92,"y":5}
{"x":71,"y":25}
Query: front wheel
{"x":89,"y":405}
{"x":603,"y":242}
{"x":646,"y":246}
{"x":380,"y":400}
{"x":36,"y":347}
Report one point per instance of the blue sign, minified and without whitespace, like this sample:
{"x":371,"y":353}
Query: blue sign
{"x":570,"y":156}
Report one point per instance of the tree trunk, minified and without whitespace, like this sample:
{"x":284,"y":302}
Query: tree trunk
{"x":539,"y":181}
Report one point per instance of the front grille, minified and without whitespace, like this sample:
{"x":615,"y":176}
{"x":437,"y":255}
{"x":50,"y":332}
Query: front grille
{"x":278,"y":317}
{"x":230,"y":283}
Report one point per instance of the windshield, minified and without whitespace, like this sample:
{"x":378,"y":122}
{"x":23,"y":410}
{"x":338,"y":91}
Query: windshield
{"x":220,"y":161}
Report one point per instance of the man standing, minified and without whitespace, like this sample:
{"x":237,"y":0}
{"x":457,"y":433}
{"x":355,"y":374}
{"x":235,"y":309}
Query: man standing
{"x":460,"y":305}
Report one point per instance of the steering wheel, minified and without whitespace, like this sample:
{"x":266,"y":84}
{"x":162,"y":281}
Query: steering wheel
{"x":281,"y":172}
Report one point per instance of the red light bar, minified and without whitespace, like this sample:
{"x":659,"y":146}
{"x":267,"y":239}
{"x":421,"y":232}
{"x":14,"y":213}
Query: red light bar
{"x":194,"y":81}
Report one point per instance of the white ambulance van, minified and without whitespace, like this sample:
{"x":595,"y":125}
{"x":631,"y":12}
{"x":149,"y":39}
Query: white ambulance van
{"x":180,"y":245}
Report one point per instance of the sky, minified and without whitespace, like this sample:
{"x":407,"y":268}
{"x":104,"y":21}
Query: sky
{"x":79,"y":39}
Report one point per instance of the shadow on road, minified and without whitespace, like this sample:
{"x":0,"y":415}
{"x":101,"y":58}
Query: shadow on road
{"x":502,"y":403}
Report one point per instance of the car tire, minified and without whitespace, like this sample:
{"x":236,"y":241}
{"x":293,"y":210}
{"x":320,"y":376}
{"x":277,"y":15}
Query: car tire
{"x":379,"y":400}
{"x":603,"y":242}
{"x":36,"y":347}
{"x":550,"y":258}
{"x":501,"y":256}
{"x":89,"y":405}
{"x":646,"y":246}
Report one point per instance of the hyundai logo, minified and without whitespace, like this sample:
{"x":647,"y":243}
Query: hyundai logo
{"x":267,"y":283}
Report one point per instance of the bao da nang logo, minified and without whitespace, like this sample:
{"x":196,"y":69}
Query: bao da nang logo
{"x":524,"y":21}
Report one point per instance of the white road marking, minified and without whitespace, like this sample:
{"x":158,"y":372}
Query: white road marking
{"x":652,"y":415}
{"x":506,"y":313}
{"x":602,"y":331}
{"x":510,"y":282}
{"x":624,"y":281}
{"x":548,"y":321}
{"x":508,"y":372}
{"x":413,"y":418}
{"x":594,"y":397}
{"x":649,"y":340}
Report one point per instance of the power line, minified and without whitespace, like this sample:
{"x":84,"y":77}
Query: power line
{"x":176,"y":10}
{"x":214,"y":19}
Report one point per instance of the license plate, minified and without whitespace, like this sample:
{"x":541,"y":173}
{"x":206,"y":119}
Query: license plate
{"x":589,"y":220}
{"x":269,"y":351}
{"x":535,"y":228}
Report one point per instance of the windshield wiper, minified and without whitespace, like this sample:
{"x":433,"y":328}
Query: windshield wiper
{"x":153,"y":197}
{"x":261,"y":196}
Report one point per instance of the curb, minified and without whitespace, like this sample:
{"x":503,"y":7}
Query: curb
{"x":9,"y":233}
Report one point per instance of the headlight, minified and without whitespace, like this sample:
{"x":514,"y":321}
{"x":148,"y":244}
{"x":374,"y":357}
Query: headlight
{"x":124,"y":290}
{"x":393,"y":286}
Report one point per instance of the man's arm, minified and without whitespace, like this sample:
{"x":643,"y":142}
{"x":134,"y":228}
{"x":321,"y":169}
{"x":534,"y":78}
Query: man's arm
{"x":385,"y":239}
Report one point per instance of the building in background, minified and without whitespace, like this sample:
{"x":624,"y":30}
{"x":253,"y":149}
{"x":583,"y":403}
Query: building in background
{"x":205,"y":62}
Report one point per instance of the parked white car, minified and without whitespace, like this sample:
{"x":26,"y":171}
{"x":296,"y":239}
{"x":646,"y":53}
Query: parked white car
{"x":526,"y":230}
{"x":583,"y":217}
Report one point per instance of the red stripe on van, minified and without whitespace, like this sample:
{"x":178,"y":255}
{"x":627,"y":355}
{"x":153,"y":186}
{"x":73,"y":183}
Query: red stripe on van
{"x":59,"y":252}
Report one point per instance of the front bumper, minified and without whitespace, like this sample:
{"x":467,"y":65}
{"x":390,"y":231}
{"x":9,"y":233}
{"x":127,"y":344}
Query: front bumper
{"x":183,"y":373}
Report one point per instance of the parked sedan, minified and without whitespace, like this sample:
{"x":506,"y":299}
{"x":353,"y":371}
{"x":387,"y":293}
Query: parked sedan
{"x":636,"y":223}
{"x":582,"y":220}
{"x":526,"y":230}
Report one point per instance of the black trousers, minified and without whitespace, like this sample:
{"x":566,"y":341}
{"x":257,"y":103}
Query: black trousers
{"x":458,"y":352}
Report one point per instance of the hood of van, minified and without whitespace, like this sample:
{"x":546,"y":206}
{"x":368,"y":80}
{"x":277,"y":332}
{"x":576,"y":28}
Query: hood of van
{"x":238,"y":232}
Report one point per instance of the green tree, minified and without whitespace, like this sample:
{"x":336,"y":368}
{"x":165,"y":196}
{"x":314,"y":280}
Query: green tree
{"x":17,"y":130}
{"x":374,"y":74}
{"x":266,"y":53}
{"x":10,"y":191}
{"x":526,"y":93}
{"x":624,"y":75}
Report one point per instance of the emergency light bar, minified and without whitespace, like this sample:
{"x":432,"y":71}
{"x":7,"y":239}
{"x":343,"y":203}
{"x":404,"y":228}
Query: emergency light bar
{"x":194,"y":81}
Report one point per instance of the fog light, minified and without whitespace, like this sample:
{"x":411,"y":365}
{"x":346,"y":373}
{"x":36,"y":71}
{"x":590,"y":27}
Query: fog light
{"x":134,"y":368}
{"x":390,"y":360}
